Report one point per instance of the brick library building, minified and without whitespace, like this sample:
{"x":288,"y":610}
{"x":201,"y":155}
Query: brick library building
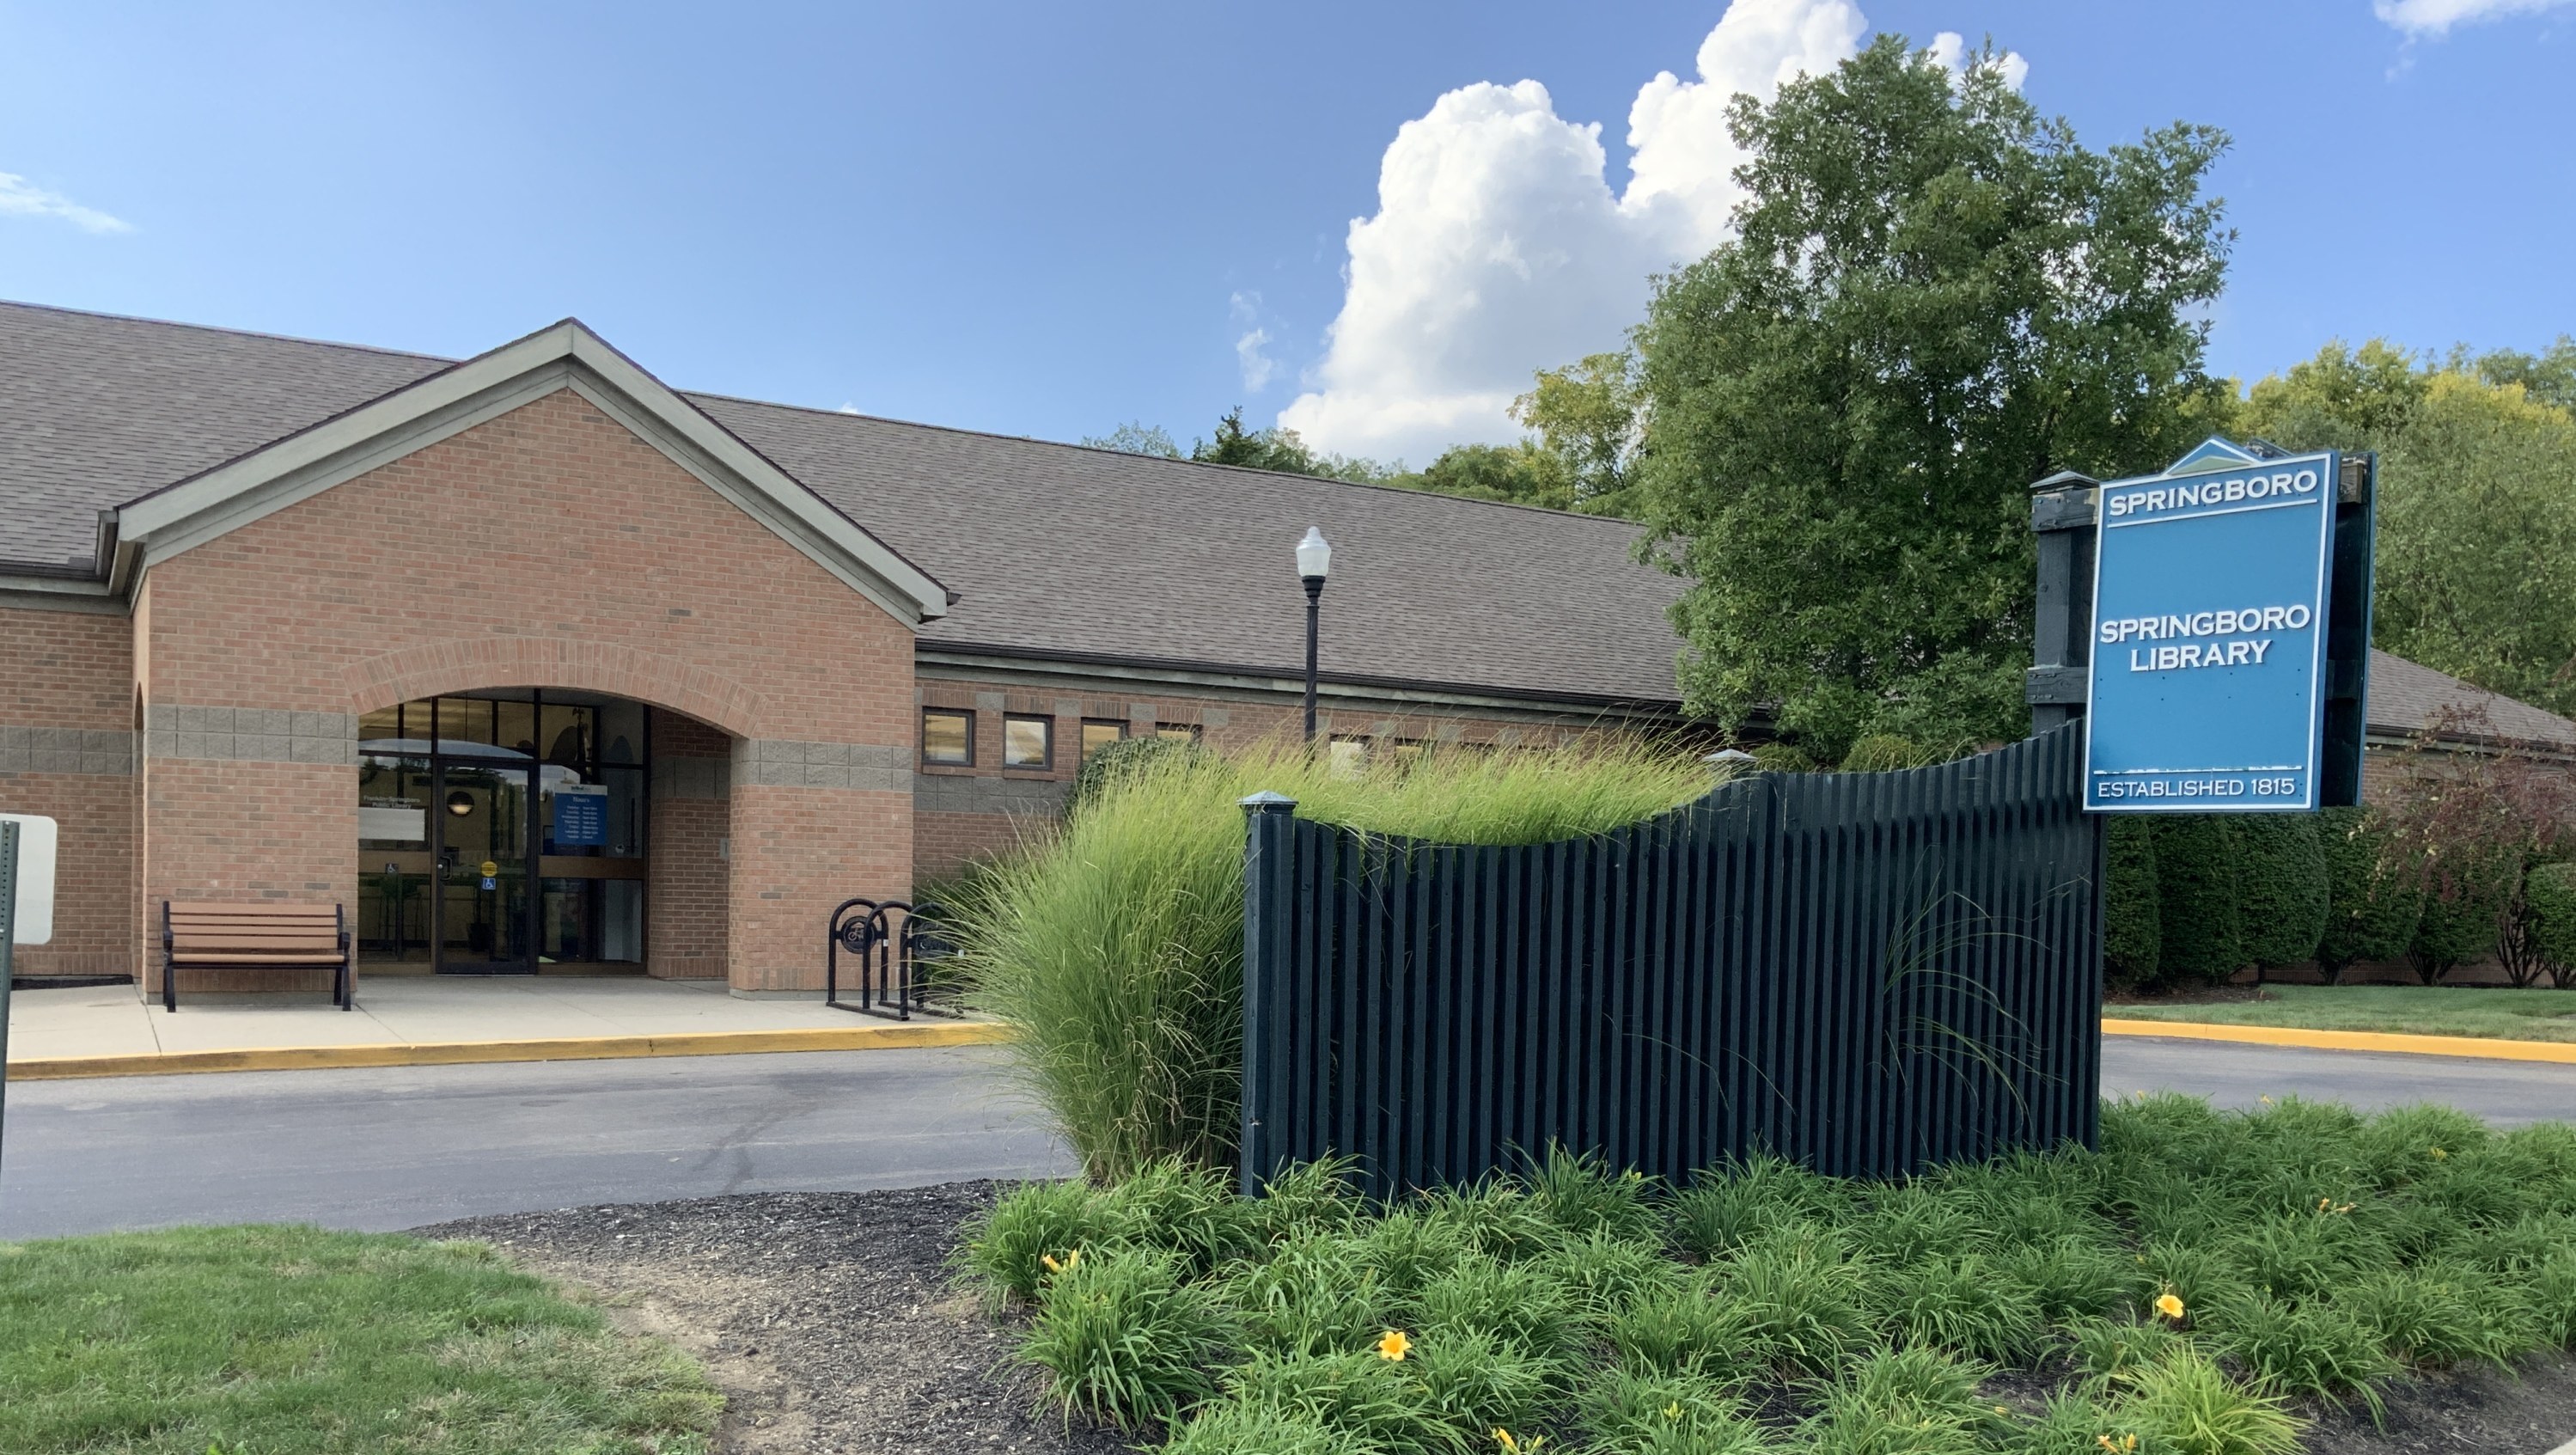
{"x":529,"y":663}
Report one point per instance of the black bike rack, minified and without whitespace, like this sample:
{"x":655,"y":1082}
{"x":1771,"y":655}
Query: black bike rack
{"x":890,"y":942}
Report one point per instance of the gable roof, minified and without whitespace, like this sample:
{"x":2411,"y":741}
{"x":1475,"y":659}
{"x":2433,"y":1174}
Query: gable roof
{"x":1055,"y":551}
{"x":2407,"y":697}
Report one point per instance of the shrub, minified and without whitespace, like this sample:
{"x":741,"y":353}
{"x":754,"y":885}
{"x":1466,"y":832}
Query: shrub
{"x":1727,"y":1205}
{"x":1235,"y":1429}
{"x":2440,"y":1315}
{"x":1006,"y":1249}
{"x":2132,"y":938}
{"x":2201,"y":929}
{"x":1478,"y":1384}
{"x":1376,"y":1400}
{"x":1406,"y":1251}
{"x":2370,"y":912}
{"x":1584,"y":1196}
{"x":1887,"y":753}
{"x":1123,"y":1339}
{"x":1913,"y":1401}
{"x":1309,"y":1197}
{"x":2111,"y":1351}
{"x":1796,"y":1304}
{"x":2073,"y":1423}
{"x":1601,"y":1273}
{"x":2282,"y":889}
{"x":1115,"y":949}
{"x":1909,"y":1222}
{"x":2071,"y":1278}
{"x":2549,"y":897}
{"x":2308,"y":1349}
{"x":2457,"y":927}
{"x":1674,"y":1330}
{"x":1962,"y":1305}
{"x":1124,"y":758}
{"x":1514,"y":1304}
{"x":1637,"y":1412}
{"x":1310,"y":1297}
{"x":2185,"y":1405}
{"x":1186,"y":1210}
{"x":1495,"y":1217}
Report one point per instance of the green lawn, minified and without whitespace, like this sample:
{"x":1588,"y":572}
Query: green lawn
{"x":2426,"y":1010}
{"x":282,"y":1340}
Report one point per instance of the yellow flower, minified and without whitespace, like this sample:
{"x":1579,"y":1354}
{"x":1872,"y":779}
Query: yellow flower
{"x":1072,"y":1258}
{"x":1395,"y":1346}
{"x":2170,"y":1307}
{"x":1529,"y":1446}
{"x":1673,"y":1411}
{"x":2439,"y":1154}
{"x":1504,"y":1438}
{"x":2267,"y":1101}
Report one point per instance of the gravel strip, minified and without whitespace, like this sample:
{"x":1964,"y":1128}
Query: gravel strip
{"x":831,"y":1323}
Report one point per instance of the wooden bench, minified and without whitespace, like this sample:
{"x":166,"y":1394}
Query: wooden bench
{"x":253,"y":937}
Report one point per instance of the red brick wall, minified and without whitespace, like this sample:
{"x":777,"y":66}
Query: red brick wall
{"x":685,"y":894}
{"x":67,"y":752}
{"x":548,"y":547}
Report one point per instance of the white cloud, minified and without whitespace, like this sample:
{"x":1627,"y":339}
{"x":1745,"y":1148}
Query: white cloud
{"x":1498,"y":247}
{"x":22,"y":198}
{"x":2436,"y":17}
{"x":1258,"y":368}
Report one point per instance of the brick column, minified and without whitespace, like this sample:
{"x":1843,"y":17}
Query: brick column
{"x":813,"y":824}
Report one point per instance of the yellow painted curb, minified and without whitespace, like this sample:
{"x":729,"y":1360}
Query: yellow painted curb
{"x":2484,"y":1048}
{"x":459,"y":1053}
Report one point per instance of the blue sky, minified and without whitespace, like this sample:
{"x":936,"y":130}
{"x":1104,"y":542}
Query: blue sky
{"x":1040,"y":221}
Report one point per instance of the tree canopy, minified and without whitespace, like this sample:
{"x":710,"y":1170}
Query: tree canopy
{"x":1934,"y":299}
{"x":2477,"y":501}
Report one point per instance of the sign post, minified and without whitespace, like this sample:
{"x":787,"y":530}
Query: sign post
{"x":2227,"y":634}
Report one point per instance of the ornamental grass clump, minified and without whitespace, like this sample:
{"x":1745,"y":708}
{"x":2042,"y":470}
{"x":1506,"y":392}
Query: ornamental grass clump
{"x":1114,"y":948}
{"x":1124,"y":1339}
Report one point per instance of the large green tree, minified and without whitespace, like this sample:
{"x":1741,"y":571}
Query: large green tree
{"x":1935,"y":297}
{"x":2477,"y":501}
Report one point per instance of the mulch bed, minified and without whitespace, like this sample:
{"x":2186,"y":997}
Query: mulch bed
{"x":832,"y":1324}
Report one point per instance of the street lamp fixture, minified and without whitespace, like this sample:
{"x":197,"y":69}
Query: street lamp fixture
{"x":1314,"y":559}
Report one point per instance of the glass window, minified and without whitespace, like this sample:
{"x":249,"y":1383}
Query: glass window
{"x":1098,"y":733}
{"x":947,"y":736}
{"x":1409,"y":751}
{"x":1350,"y":755}
{"x":1177,"y":732}
{"x":1028,"y":742}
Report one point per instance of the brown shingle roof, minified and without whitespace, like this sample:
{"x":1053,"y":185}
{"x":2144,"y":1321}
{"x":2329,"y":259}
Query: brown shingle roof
{"x":1056,"y":550}
{"x":2407,"y":697}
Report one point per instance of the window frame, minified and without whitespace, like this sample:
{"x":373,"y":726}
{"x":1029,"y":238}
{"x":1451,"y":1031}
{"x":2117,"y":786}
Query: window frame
{"x":1046,"y":741}
{"x":1181,"y":732}
{"x":1089,"y":723}
{"x":966,"y":713}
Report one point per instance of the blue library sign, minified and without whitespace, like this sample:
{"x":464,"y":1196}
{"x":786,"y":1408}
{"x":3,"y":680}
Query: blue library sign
{"x":2212,"y":599}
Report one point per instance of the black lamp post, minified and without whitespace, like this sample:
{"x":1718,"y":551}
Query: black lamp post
{"x":1314,"y":558}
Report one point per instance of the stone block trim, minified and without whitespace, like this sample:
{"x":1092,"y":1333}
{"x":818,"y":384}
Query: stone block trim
{"x":66,"y":750}
{"x":774,"y":763}
{"x":960,"y":793}
{"x":250,"y":735}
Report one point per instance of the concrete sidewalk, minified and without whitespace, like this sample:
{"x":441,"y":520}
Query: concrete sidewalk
{"x":419,"y":1019}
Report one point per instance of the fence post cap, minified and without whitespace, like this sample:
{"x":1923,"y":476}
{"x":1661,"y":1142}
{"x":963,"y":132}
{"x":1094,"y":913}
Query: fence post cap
{"x":1724,"y":756}
{"x":1268,"y":802}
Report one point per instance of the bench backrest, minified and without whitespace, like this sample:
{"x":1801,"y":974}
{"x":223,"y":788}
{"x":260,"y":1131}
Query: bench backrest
{"x":254,"y":929}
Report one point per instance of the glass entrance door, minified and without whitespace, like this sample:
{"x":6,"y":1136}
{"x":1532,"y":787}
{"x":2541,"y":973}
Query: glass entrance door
{"x":485,"y":920}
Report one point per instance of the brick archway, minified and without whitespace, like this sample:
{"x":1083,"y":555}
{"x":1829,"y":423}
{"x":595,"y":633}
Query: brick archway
{"x":435,"y":669}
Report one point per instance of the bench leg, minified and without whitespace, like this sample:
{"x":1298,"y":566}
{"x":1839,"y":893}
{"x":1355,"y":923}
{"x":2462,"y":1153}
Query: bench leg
{"x":348,"y":990}
{"x":170,"y":987}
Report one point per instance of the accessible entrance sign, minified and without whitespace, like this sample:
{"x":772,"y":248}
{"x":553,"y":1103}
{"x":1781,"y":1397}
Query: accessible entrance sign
{"x":2212,"y":599}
